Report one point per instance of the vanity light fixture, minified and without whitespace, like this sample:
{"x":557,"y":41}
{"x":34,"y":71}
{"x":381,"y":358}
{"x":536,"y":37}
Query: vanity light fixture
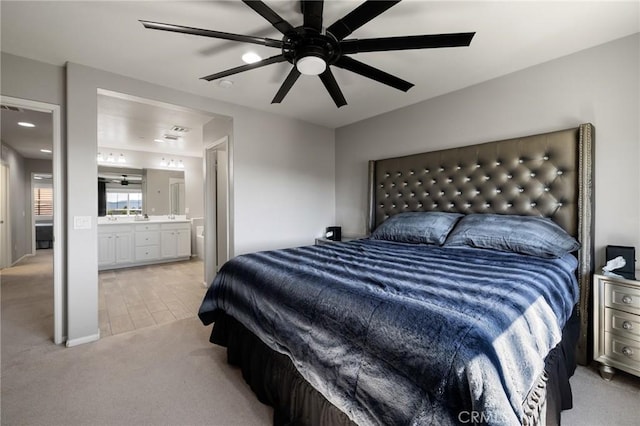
{"x":163,"y":162}
{"x":100,"y":157}
{"x":121,"y":159}
{"x":172,"y":163}
{"x":180,"y":165}
{"x":111,"y":158}
{"x":26,"y":124}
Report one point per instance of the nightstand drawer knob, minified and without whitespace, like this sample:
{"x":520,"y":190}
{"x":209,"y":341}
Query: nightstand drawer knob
{"x":627,"y":351}
{"x":627,"y":299}
{"x":627,"y":325}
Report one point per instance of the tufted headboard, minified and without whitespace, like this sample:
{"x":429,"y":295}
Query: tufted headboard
{"x":546,"y":175}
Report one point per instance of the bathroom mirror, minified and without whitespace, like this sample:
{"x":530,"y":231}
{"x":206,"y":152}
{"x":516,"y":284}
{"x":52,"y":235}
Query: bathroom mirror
{"x":131,"y":191}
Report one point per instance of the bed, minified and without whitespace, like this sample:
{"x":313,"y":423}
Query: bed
{"x":388,"y":330}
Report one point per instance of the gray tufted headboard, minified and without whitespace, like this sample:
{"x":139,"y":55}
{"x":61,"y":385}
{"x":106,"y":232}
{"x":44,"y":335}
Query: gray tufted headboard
{"x":546,"y":175}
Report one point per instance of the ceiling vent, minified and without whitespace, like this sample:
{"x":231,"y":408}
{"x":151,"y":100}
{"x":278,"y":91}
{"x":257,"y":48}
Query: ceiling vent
{"x":180,"y":129}
{"x":11,"y":108}
{"x":171,"y":137}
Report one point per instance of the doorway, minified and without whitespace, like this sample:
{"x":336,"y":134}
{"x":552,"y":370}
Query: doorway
{"x":19,"y":106}
{"x":217,"y":208}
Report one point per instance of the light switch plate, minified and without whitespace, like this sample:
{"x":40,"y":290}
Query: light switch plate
{"x":82,"y":222}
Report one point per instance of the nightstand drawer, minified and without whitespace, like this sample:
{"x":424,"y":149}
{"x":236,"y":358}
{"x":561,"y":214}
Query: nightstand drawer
{"x":623,"y":350}
{"x":622,"y":297}
{"x":622,"y":324}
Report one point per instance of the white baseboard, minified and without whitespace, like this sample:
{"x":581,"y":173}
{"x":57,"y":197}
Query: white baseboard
{"x":23,"y":256}
{"x":83,"y":340}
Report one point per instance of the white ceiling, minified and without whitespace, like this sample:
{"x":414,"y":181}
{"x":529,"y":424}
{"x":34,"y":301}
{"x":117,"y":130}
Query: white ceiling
{"x":135,"y":124}
{"x":510,"y":35}
{"x":28,"y":141}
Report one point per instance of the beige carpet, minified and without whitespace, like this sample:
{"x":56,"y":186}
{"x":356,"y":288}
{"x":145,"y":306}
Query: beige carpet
{"x":171,"y":375}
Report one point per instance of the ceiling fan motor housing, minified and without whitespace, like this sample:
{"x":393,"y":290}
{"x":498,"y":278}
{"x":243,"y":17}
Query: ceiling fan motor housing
{"x":302,"y":46}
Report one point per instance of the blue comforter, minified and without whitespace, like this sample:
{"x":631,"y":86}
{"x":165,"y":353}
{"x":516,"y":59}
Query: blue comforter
{"x":396,"y":333}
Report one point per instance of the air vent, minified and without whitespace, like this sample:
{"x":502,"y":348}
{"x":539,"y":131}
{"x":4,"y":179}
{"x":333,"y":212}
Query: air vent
{"x":11,"y":108}
{"x":171,"y":137}
{"x":180,"y":129}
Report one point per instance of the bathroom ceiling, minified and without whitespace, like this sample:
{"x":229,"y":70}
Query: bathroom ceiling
{"x":141,"y":125}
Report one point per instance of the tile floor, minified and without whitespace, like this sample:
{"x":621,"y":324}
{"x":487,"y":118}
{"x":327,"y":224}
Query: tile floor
{"x":134,"y":298}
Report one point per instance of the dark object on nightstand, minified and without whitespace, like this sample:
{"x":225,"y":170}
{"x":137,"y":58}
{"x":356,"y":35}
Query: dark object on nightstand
{"x":333,"y":233}
{"x":629,"y":254}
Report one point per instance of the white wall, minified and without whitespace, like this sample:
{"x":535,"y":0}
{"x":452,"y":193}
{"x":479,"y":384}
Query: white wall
{"x":599,"y":85}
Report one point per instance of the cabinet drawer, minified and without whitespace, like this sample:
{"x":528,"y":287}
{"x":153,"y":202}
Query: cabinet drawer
{"x":173,"y":226}
{"x":623,"y":350}
{"x":622,"y":297}
{"x":622,"y":324}
{"x":147,"y":227}
{"x":147,"y":253}
{"x":104,"y":229}
{"x":149,"y":238}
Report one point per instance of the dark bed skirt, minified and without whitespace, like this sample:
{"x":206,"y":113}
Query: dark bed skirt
{"x":276,"y":382}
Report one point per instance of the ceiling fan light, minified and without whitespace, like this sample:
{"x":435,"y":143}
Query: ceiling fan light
{"x":311,"y":65}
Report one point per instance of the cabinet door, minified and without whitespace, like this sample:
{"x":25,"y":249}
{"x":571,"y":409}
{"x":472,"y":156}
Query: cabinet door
{"x":168,"y":246}
{"x":124,"y":245}
{"x":183,"y":242}
{"x":106,"y":249}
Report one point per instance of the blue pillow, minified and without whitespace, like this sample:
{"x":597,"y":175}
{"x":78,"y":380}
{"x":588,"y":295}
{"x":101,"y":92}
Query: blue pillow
{"x":532,"y":235}
{"x":417,"y":227}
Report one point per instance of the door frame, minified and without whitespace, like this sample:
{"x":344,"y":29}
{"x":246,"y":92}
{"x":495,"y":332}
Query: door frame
{"x":5,"y":242}
{"x":211,"y":235}
{"x":58,"y":196}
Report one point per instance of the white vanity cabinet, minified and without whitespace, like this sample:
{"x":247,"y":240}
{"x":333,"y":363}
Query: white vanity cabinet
{"x":115,"y":246}
{"x":128,"y":244}
{"x":175,"y":240}
{"x":147,"y":240}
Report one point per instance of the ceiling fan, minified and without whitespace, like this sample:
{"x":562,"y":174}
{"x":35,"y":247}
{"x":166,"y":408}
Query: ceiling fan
{"x":312,"y":49}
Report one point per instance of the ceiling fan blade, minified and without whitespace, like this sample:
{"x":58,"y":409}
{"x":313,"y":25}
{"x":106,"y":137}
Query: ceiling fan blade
{"x":210,"y":33}
{"x":286,"y":86}
{"x":331,"y":84}
{"x":407,"y":42}
{"x":358,"y":17}
{"x":242,"y":68}
{"x":267,"y":13}
{"x":373,"y":73}
{"x":312,"y":11}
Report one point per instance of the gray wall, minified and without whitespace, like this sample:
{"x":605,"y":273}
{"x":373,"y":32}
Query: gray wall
{"x":599,"y":85}
{"x":28,"y":79}
{"x":278,"y":162}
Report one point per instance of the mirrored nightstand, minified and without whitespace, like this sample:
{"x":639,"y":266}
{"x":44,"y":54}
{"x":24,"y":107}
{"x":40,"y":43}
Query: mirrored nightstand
{"x":616,"y":324}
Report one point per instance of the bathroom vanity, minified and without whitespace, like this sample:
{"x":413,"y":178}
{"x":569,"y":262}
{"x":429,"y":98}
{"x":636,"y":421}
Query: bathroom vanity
{"x":124,"y":242}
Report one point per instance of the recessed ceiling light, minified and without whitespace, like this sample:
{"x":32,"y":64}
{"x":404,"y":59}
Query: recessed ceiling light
{"x":251,"y":57}
{"x":26,"y":124}
{"x":46,"y":151}
{"x":225,"y":84}
{"x":158,"y":140}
